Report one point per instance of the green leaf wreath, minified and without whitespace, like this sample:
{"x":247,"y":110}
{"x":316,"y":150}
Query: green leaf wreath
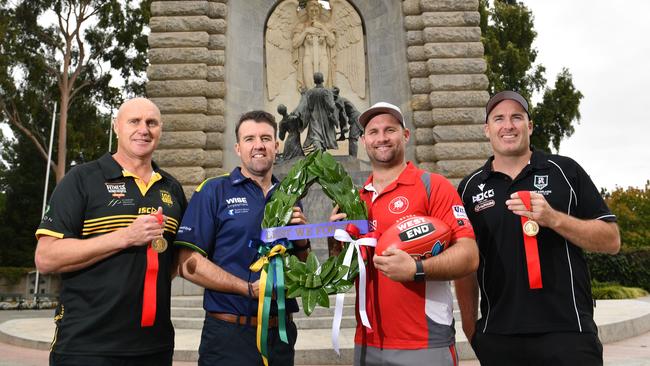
{"x":311,"y":280}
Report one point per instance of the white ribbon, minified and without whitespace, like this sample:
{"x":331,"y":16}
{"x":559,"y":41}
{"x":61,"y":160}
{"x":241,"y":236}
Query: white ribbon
{"x":342,"y":235}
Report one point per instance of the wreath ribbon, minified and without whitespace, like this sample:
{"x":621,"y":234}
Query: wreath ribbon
{"x":354,"y":246}
{"x":271,"y":257}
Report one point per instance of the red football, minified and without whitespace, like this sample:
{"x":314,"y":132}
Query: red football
{"x":419,"y":235}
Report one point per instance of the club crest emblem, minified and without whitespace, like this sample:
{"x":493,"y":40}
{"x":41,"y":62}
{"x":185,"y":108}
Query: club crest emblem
{"x":166,"y":198}
{"x":398,"y":205}
{"x":540,"y":181}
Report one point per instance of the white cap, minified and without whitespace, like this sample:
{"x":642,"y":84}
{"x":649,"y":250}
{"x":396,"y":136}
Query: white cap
{"x":381,"y":108}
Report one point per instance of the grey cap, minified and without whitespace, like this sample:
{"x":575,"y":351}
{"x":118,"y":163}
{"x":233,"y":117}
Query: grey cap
{"x":505,"y":95}
{"x":381,"y":108}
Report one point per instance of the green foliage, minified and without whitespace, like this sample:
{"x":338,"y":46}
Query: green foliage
{"x":612,"y":290}
{"x":554,"y":114}
{"x":629,"y":268}
{"x":311,"y":280}
{"x":508,"y":34}
{"x":12,"y":275}
{"x":30,"y":83}
{"x":632,"y":209}
{"x":320,"y":167}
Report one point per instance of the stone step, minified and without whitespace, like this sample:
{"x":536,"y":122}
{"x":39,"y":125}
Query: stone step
{"x":191,"y":312}
{"x":324,"y":322}
{"x":187,"y":323}
{"x":321,"y":311}
{"x":187,"y":302}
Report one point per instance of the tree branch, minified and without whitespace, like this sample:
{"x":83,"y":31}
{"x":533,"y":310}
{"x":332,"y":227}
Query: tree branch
{"x":15,"y":120}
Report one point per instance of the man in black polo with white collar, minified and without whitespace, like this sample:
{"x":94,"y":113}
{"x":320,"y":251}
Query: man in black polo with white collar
{"x":533,"y":214}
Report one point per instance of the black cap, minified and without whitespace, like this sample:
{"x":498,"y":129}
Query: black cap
{"x":505,"y":95}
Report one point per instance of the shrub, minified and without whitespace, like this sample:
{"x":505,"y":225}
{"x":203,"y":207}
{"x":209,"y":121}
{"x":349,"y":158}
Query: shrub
{"x":629,"y":268}
{"x":612,"y":290}
{"x":632,"y":209}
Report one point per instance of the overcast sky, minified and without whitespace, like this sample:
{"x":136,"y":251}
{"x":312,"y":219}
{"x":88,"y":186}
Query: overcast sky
{"x":606,"y":46}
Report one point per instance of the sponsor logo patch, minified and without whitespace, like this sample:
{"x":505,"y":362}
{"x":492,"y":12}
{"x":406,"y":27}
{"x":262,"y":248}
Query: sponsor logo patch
{"x":483,"y":196}
{"x":417,"y":232}
{"x":459,"y":212}
{"x":483,"y":205}
{"x":236,"y":200}
{"x":398,"y":205}
{"x":121,"y":202}
{"x":237,"y":211}
{"x":117,"y":190}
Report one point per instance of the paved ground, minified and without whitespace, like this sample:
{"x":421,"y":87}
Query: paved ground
{"x":630,"y":352}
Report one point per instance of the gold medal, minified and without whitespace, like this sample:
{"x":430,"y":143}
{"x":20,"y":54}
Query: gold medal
{"x":159,"y":244}
{"x":531,"y":228}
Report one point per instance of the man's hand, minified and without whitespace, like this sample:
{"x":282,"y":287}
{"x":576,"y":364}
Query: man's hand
{"x":297,"y":217}
{"x":395,"y":264}
{"x":143,"y":230}
{"x":335,"y":215}
{"x":334,"y":246}
{"x":540,"y":210}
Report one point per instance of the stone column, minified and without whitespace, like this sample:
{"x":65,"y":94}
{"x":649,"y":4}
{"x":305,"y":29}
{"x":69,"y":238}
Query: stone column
{"x":448,"y":84}
{"x":186,"y":81}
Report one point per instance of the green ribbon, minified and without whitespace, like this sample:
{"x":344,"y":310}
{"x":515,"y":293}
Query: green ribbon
{"x":270,"y":255}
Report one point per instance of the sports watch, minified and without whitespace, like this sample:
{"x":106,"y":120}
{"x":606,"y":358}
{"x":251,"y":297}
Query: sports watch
{"x":419,"y":271}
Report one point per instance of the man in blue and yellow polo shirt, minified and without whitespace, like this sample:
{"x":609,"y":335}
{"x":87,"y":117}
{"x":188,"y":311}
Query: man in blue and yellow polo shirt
{"x":97,"y":232}
{"x":223,"y":215}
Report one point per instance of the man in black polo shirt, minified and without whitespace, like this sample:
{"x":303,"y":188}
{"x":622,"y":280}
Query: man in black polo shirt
{"x":103,"y":232}
{"x":533,"y":214}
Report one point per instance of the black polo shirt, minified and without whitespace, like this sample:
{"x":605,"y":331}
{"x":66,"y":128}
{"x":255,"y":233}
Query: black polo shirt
{"x":101,"y":305}
{"x":508,"y":305}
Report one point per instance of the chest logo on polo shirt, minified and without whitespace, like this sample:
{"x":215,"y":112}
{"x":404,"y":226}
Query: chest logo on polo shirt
{"x":483,"y":196}
{"x":236,"y":206}
{"x":540,"y":182}
{"x":484,"y":199}
{"x":117,"y":190}
{"x":166,"y":198}
{"x":398,"y":205}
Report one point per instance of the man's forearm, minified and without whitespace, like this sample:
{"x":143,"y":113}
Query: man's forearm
{"x":201,"y":271}
{"x":456,"y":261}
{"x":55,"y":255}
{"x":591,"y":235}
{"x":467,"y":296}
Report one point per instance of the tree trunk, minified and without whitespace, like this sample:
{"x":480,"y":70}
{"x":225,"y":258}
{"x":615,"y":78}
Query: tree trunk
{"x":63,"y":126}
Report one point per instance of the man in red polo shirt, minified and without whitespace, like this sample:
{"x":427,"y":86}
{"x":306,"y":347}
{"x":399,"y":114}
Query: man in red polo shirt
{"x":409,"y":302}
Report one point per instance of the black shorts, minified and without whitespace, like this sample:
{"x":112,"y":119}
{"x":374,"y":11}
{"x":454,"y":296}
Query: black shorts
{"x":556,"y":349}
{"x":156,"y":359}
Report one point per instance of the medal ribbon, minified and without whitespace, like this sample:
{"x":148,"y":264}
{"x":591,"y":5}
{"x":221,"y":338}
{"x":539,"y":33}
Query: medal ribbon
{"x":345,"y":236}
{"x":530,"y":246}
{"x":150,"y":283}
{"x":271,"y":257}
